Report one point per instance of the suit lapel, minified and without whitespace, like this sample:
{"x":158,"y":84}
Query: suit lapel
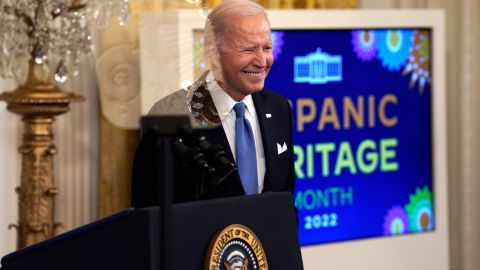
{"x":266,"y":130}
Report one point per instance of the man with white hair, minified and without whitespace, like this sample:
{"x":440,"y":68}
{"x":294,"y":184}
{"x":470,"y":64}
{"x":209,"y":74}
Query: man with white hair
{"x":254,"y":125}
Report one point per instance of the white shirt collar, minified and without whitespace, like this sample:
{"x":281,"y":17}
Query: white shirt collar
{"x":223,"y":102}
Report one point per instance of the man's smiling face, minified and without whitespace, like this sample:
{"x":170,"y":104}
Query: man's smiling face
{"x":245,"y":55}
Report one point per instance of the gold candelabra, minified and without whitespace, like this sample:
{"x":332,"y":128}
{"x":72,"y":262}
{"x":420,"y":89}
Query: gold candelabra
{"x":38,"y":102}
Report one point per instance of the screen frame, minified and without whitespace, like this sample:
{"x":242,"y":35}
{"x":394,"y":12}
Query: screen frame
{"x":413,"y":251}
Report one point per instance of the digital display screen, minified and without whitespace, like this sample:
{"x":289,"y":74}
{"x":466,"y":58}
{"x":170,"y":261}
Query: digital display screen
{"x":361,"y":101}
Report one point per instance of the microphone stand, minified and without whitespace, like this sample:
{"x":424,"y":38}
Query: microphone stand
{"x":162,"y":130}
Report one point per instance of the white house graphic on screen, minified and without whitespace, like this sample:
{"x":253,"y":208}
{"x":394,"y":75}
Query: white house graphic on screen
{"x":318,"y":68}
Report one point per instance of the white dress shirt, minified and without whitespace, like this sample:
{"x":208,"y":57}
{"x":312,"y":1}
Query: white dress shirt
{"x":224,"y":104}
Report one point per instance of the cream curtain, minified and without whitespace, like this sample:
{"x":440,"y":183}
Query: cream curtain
{"x":76,"y":163}
{"x":9,"y":172}
{"x":469,"y":110}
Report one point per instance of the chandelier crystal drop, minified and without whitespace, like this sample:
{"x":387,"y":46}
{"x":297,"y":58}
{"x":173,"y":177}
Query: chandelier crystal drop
{"x":53,"y":32}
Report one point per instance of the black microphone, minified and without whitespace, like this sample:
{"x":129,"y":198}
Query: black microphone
{"x":213,"y":151}
{"x":216,"y":152}
{"x":193,"y":157}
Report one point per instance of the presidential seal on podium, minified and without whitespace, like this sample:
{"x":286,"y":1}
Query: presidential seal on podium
{"x":235,"y":247}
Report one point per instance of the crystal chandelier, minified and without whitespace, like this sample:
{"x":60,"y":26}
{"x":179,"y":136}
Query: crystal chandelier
{"x":52,"y":33}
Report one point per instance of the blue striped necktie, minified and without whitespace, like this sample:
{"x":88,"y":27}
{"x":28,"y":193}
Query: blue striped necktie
{"x":246,"y":156}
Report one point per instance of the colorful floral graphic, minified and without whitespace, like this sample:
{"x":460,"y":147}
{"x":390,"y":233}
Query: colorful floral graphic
{"x":394,"y":47}
{"x":277,"y":43}
{"x":419,"y":209}
{"x":419,"y":61}
{"x":396,"y":221}
{"x":364,"y":44}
